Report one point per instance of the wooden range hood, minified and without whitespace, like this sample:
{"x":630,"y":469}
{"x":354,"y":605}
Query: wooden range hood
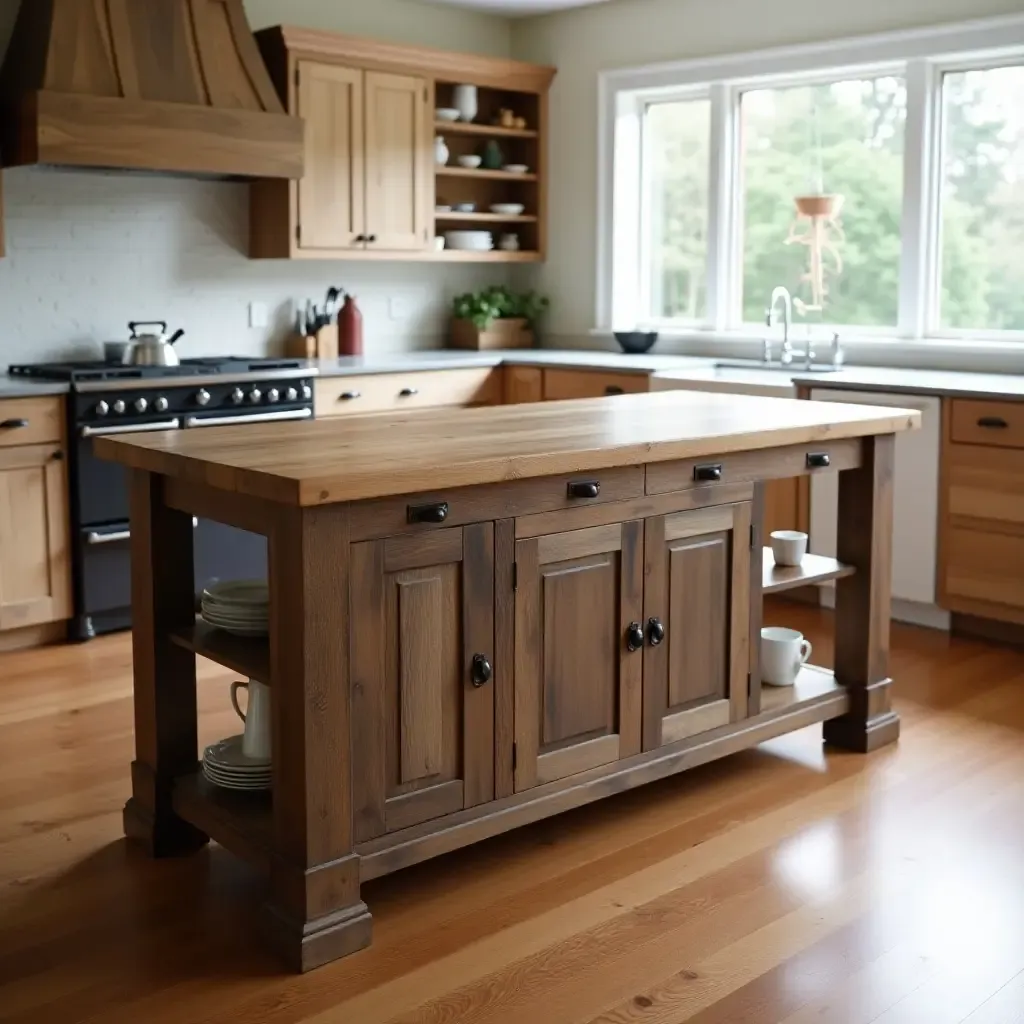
{"x":161,"y":85}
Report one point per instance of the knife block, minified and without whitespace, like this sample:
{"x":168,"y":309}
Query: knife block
{"x":322,"y":345}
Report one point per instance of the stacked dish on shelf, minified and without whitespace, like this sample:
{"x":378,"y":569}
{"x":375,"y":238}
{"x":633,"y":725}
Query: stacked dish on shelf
{"x":470,"y":241}
{"x":225,"y":765}
{"x":241,"y":607}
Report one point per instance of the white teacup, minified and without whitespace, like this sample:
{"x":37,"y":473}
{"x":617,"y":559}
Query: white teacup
{"x":256,"y":738}
{"x":789,"y":546}
{"x":783,"y":653}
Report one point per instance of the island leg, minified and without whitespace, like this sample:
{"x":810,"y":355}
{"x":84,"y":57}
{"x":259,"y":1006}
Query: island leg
{"x":863,"y":601}
{"x":314,"y":913}
{"x":163,"y":597}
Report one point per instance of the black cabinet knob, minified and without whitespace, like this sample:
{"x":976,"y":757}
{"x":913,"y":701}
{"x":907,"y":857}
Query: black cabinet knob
{"x":13,"y":424}
{"x":708,"y":473}
{"x":480,"y":670}
{"x":818,"y":460}
{"x":371,"y":238}
{"x":634,"y":637}
{"x":360,"y":238}
{"x":584,"y":489}
{"x":347,"y":396}
{"x":655,"y":632}
{"x":435,"y":513}
{"x":614,"y":389}
{"x":993,"y":422}
{"x":408,"y":392}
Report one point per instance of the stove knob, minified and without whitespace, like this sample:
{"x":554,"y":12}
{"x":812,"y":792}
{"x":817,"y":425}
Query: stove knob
{"x":273,"y":395}
{"x":102,"y":408}
{"x":238,"y":396}
{"x":140,"y":405}
{"x":119,"y":407}
{"x":307,"y":392}
{"x":255,"y":395}
{"x":161,"y":404}
{"x":202,"y":397}
{"x":290,"y":395}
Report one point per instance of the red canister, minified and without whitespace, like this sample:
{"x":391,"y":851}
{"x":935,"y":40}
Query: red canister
{"x":350,"y":329}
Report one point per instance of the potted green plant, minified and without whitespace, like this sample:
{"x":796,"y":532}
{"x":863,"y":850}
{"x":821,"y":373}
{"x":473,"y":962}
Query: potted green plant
{"x":496,"y":317}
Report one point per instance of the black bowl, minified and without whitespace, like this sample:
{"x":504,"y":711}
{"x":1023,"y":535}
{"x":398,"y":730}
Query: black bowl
{"x":636,"y":342}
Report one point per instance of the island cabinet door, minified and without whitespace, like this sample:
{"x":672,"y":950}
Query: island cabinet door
{"x":577,"y":672}
{"x":422,"y":630}
{"x":696,"y":622}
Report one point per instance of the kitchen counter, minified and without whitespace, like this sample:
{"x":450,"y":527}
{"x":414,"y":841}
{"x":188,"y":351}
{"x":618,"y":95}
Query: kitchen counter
{"x":18,"y":387}
{"x":921,"y":382}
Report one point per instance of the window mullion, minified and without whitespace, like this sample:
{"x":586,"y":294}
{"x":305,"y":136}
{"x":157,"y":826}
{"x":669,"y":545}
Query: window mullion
{"x":721,"y":213}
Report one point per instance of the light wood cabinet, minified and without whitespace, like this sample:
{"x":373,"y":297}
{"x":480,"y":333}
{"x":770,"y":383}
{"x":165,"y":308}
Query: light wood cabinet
{"x":697,"y":621}
{"x":577,"y":683}
{"x":396,"y":392}
{"x":562,"y":384}
{"x":422,"y":634}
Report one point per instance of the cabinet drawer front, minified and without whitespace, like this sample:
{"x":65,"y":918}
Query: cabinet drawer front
{"x":30,"y":420}
{"x":387,"y":516}
{"x":560,"y":384}
{"x":743,"y":467}
{"x":986,"y":567}
{"x":392,"y":392}
{"x":985,"y":484}
{"x":989,"y":423}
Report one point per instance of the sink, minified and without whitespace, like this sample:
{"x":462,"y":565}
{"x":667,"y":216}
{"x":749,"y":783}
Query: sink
{"x":794,"y":369}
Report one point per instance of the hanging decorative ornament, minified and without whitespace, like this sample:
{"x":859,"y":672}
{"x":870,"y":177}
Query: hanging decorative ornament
{"x":817,"y":226}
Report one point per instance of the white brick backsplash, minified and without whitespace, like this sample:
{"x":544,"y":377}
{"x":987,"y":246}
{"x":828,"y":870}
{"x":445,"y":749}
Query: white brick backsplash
{"x":89,"y":251}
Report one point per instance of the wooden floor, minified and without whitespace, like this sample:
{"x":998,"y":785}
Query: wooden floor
{"x":780,"y":885}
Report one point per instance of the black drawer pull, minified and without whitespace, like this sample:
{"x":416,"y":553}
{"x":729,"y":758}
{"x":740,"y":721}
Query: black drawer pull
{"x":436,"y":513}
{"x":708,"y":473}
{"x":13,"y":424}
{"x":634,"y":637}
{"x":584,"y":489}
{"x":408,"y":392}
{"x":347,"y":396}
{"x":614,"y":389}
{"x":371,"y":238}
{"x":818,"y":460}
{"x":480,"y":670}
{"x":993,"y":422}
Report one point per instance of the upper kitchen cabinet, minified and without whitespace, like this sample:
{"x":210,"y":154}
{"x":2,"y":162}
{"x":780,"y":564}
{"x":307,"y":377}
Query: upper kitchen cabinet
{"x":372,"y":181}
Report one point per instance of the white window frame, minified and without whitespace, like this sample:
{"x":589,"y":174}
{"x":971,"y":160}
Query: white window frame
{"x":921,"y":57}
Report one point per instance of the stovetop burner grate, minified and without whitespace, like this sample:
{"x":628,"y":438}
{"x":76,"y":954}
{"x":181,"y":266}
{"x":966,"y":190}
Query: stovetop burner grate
{"x":97,"y":370}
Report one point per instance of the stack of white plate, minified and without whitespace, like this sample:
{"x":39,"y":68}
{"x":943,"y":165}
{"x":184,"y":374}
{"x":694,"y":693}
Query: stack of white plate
{"x":225,"y":765}
{"x":472,"y":241}
{"x":238,"y":606}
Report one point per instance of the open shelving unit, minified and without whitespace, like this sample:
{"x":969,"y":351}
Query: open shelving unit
{"x":813,"y":569}
{"x":487,"y":130}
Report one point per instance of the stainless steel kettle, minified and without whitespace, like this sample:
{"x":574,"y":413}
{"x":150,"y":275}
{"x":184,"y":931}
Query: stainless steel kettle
{"x":151,"y":349}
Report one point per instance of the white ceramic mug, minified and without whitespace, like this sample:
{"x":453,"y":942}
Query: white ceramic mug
{"x":256,"y":738}
{"x":789,"y":546}
{"x":783,"y":653}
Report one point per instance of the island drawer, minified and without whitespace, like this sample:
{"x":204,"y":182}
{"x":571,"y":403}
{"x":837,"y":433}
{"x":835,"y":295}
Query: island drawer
{"x":743,"y":467}
{"x":1000,"y":424}
{"x":386,"y":517}
{"x":391,"y":392}
{"x":30,"y":420}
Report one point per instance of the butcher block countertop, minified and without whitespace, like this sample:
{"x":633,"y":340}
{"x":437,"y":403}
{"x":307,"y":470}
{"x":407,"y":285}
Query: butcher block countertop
{"x":325,"y":461}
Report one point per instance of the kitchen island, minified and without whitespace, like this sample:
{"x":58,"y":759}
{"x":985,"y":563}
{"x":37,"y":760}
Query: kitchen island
{"x":483,"y":617}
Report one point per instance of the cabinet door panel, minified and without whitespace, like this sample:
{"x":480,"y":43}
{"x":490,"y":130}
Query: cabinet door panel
{"x":423,"y":732}
{"x":698,"y":587}
{"x":330,"y":194}
{"x":577,"y":688}
{"x":398,"y":161}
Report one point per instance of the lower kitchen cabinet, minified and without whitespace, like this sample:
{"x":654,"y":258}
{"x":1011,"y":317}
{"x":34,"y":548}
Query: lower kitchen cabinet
{"x":697,"y":622}
{"x":422,"y":628}
{"x":577,"y":674}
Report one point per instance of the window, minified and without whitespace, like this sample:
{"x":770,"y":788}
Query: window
{"x":983,"y":199}
{"x":881,"y":180}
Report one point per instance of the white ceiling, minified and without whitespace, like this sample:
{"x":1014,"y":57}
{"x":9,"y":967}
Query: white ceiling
{"x":518,"y":8}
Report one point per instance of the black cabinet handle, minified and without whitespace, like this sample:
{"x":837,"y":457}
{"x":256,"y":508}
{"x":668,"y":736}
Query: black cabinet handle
{"x":347,"y":396}
{"x":818,"y":460}
{"x":993,"y":422}
{"x":360,"y":238}
{"x":655,"y":632}
{"x":480,"y":670}
{"x":708,"y":473}
{"x":584,"y":489}
{"x":614,"y":389}
{"x":371,"y":238}
{"x":634,"y":636}
{"x":436,"y":513}
{"x":13,"y":424}
{"x":408,"y":392}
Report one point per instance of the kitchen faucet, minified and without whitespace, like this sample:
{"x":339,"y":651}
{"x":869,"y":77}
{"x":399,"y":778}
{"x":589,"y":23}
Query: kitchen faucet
{"x":780,"y":292}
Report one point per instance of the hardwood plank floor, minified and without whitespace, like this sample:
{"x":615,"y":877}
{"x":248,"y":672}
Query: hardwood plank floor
{"x":786,"y":884}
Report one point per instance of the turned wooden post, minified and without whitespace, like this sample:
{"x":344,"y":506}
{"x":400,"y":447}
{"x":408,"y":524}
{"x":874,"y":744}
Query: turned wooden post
{"x":163,"y":597}
{"x":863,"y":601}
{"x":314,"y":913}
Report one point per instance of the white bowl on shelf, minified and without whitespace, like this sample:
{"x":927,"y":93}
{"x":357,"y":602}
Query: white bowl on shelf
{"x":470,"y":161}
{"x":515,"y":168}
{"x":507,"y":209}
{"x":469,"y":241}
{"x":446,"y":114}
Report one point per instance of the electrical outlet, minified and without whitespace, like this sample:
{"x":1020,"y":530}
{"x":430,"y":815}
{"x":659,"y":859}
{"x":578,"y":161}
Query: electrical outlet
{"x":257,"y":314}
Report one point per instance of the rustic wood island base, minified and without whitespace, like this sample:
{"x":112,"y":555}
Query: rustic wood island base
{"x":483,"y":617}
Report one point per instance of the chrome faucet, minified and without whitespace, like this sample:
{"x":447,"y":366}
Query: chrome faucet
{"x":787,"y":315}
